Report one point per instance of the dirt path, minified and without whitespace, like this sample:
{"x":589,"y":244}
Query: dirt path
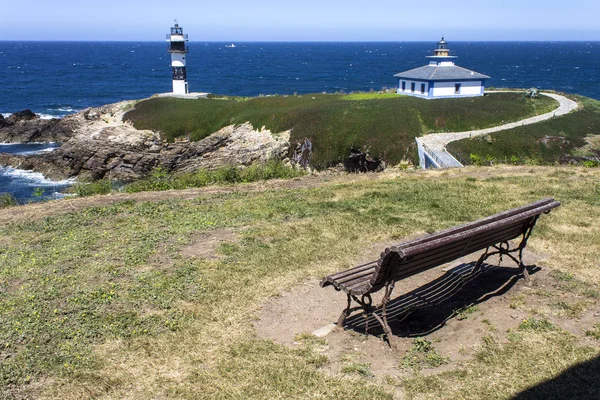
{"x":36,"y":211}
{"x":436,"y":142}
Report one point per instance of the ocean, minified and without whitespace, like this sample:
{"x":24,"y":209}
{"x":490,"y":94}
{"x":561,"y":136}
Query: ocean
{"x":54,"y":79}
{"x":28,"y":185}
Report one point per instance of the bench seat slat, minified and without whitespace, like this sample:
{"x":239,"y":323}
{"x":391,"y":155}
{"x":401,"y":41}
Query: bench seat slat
{"x":342,"y":275}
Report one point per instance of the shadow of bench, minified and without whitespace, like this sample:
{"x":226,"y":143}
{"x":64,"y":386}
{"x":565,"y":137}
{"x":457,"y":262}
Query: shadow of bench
{"x":426,"y":309}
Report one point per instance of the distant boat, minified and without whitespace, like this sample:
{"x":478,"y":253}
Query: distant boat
{"x":230,"y":45}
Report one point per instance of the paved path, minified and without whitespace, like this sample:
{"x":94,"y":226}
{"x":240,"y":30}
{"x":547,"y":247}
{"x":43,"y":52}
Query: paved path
{"x":436,"y":142}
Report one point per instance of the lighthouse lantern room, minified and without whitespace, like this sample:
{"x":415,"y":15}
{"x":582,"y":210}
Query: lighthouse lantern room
{"x":178,"y":49}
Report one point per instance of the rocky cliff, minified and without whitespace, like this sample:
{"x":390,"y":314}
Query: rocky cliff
{"x":98,"y":144}
{"x":25,"y":127}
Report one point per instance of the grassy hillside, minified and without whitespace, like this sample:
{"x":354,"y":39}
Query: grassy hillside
{"x":556,"y":140}
{"x":383,"y":124}
{"x":119,"y":300}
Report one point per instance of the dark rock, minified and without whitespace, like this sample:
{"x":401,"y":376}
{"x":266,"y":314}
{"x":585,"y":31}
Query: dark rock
{"x":303,"y":153}
{"x":25,"y":129}
{"x":25,"y":115}
{"x":3,"y":122}
{"x":362,"y":162}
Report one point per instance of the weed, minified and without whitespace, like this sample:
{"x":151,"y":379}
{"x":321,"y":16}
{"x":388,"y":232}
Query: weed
{"x":489,"y":351}
{"x":536,"y":325}
{"x":423,"y":355}
{"x":464,"y":312}
{"x":571,"y":310}
{"x":310,"y":339}
{"x":594,"y":333}
{"x":362,"y":369}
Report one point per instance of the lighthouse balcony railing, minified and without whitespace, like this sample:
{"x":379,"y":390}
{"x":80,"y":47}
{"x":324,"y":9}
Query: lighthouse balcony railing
{"x":181,"y":50}
{"x":185,"y":37}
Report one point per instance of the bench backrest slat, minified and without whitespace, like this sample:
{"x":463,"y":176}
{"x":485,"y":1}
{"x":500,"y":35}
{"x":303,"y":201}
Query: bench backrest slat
{"x":464,"y":247}
{"x":414,"y":256}
{"x":475,"y":224}
{"x":436,"y":249}
{"x":429,"y":245}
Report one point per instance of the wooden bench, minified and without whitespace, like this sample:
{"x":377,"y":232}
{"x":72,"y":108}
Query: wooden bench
{"x":491,"y":234}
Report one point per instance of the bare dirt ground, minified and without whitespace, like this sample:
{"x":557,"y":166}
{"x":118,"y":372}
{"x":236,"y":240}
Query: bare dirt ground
{"x":205,"y":245}
{"x":453,"y":314}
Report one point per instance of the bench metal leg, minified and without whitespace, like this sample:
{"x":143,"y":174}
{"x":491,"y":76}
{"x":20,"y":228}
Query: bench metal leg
{"x":478,"y":265}
{"x":383,"y":321}
{"x":345,"y":313}
{"x":503,"y":249}
{"x":368,"y":309}
{"x":522,"y":266}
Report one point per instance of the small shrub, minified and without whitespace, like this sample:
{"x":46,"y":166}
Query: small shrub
{"x":85,"y":189}
{"x":591,"y":164}
{"x":38,"y":192}
{"x":478,"y":160}
{"x":475,"y":159}
{"x":160,"y":180}
{"x":7,"y":200}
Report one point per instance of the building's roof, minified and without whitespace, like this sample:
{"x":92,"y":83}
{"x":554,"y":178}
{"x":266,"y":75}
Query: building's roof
{"x":441,"y":73}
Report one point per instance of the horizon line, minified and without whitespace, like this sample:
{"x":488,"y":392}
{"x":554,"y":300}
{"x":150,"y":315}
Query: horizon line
{"x":300,"y":41}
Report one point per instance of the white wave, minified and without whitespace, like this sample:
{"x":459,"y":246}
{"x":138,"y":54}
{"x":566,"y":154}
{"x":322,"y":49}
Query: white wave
{"x":48,"y":116}
{"x":33,"y":177}
{"x":18,"y":144}
{"x":42,"y":116}
{"x":33,"y":152}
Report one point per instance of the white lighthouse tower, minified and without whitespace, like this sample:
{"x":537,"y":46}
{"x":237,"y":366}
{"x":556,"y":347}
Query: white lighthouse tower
{"x":178,"y":49}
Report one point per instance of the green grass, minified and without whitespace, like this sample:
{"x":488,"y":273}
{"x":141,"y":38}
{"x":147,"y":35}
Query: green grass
{"x":548,"y":142}
{"x":385,"y":125}
{"x":84,"y":189}
{"x":102,"y":303}
{"x":502,"y":371}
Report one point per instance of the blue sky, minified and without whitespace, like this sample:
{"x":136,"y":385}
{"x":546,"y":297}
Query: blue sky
{"x":302,"y":20}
